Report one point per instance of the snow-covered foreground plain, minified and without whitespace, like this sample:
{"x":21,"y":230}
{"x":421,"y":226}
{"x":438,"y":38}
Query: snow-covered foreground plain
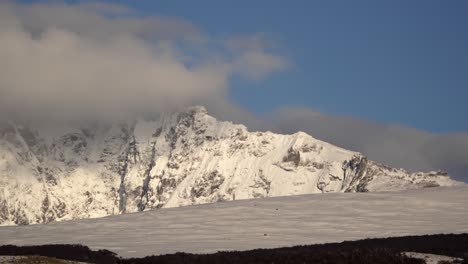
{"x":431,"y":258}
{"x":260,"y":223}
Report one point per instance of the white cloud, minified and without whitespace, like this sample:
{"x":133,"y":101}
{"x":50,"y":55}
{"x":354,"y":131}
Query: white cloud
{"x":254,"y":58}
{"x":258,"y":64}
{"x":75,"y":61}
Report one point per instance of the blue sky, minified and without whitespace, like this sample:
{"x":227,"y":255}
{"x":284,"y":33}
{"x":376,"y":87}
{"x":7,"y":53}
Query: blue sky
{"x":386,"y":78}
{"x":402,"y":62}
{"x":399,"y":61}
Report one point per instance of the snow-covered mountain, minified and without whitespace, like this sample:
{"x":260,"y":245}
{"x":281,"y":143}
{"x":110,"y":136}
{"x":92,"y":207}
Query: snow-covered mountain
{"x":174,"y":160}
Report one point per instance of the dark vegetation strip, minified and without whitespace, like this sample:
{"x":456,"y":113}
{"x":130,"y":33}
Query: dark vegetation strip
{"x":382,"y":250}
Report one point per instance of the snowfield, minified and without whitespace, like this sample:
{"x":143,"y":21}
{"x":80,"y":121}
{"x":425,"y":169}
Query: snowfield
{"x":260,"y":223}
{"x":433,"y":259}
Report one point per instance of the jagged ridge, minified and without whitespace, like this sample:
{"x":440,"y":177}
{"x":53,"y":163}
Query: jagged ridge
{"x":176,"y":159}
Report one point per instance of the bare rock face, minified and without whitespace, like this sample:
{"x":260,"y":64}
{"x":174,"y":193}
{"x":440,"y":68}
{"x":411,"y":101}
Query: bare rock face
{"x":174,"y":160}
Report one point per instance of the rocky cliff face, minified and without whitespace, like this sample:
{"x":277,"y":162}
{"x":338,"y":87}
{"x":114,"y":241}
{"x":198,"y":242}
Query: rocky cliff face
{"x":175,"y":160}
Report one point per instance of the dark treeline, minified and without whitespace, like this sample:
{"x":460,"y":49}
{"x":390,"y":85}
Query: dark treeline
{"x":66,"y":252}
{"x":385,"y":250}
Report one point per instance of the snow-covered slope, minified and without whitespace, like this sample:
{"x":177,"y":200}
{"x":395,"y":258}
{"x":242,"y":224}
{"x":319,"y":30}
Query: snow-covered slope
{"x":260,"y":223}
{"x":176,"y":159}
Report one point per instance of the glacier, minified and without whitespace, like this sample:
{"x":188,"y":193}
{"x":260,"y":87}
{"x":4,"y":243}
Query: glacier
{"x":175,"y":159}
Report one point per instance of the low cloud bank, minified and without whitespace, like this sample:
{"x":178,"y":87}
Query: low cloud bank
{"x":394,"y":145}
{"x":99,"y":60}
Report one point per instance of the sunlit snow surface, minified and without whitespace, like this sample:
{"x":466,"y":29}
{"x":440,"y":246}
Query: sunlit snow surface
{"x":260,"y":223}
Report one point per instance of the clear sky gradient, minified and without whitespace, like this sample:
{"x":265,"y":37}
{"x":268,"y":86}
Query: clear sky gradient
{"x":398,"y":61}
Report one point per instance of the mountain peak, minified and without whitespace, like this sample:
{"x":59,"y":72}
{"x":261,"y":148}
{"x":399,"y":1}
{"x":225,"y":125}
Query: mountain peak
{"x":178,"y":159}
{"x":197,"y":109}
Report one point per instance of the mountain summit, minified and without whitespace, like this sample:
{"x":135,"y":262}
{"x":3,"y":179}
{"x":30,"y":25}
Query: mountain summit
{"x":176,"y":159}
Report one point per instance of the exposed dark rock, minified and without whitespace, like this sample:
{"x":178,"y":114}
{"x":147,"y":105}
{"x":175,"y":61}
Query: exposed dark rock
{"x":207,"y":185}
{"x":293,"y":156}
